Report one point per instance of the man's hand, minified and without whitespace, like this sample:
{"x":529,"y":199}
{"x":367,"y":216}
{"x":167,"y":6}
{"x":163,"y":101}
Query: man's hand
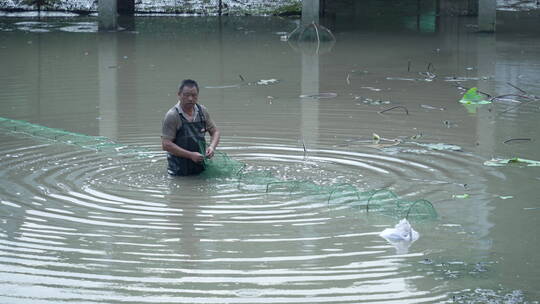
{"x":196,"y":157}
{"x":209,"y":152}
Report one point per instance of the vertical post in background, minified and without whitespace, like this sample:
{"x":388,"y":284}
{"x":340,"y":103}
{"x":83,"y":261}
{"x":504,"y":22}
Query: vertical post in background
{"x":107,"y":15}
{"x":310,"y":11}
{"x":487,"y":12}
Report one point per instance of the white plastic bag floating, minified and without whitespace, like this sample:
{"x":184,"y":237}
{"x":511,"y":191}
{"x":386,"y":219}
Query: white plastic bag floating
{"x":401,"y":236}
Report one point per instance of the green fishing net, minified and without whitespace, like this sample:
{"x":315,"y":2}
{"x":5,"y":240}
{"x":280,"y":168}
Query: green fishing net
{"x":96,"y":143}
{"x":381,"y":201}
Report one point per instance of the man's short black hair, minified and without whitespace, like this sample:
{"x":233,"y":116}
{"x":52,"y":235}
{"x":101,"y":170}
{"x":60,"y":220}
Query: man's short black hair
{"x":188,"y":83}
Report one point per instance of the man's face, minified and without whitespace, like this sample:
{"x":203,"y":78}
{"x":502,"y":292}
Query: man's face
{"x":188,"y":96}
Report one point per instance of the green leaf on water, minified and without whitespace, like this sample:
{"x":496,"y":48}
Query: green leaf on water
{"x":473,"y":97}
{"x":376,"y":137}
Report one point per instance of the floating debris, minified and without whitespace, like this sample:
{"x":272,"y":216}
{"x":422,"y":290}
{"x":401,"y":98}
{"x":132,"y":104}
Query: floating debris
{"x":320,"y":95}
{"x":262,"y":82}
{"x":425,"y":106}
{"x":449,"y":124}
{"x":480,"y":295}
{"x":401,"y":78}
{"x":460,"y":196}
{"x":396,"y":107}
{"x":267,"y":81}
{"x":516,"y":140}
{"x":441,"y":147}
{"x":505,"y":197}
{"x":500,"y":162}
{"x":371,"y":88}
{"x":402,"y":231}
{"x":401,"y":236}
{"x":460,"y":79}
{"x":372,"y":102}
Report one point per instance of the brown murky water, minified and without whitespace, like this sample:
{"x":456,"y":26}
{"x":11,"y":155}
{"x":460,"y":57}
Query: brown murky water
{"x":81,"y":226}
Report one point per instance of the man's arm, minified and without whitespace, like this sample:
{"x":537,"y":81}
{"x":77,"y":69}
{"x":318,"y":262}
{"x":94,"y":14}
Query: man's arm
{"x":216,"y":135}
{"x":174,"y":149}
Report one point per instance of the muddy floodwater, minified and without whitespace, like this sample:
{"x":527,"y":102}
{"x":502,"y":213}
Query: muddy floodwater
{"x":376,"y":108}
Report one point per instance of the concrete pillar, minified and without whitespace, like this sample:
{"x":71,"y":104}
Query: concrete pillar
{"x":310,"y":11}
{"x":107,"y":15}
{"x":487,"y":11}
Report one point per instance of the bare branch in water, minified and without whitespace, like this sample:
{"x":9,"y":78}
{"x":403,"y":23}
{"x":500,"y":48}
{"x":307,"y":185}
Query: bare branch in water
{"x":519,"y":105}
{"x":509,"y":95}
{"x":513,"y":86}
{"x":241,"y":78}
{"x":392,"y":108}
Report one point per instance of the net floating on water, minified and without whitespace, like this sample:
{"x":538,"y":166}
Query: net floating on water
{"x":95,"y":143}
{"x":381,"y":201}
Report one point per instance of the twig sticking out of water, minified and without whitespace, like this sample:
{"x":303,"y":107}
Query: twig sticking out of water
{"x":526,"y":96}
{"x":392,"y":108}
{"x":513,"y":86}
{"x":241,"y":78}
{"x":409,"y":66}
{"x":304,"y":146}
{"x":348,"y":79}
{"x":510,"y":95}
{"x":318,"y":39}
{"x":516,"y":139}
{"x":519,"y":105}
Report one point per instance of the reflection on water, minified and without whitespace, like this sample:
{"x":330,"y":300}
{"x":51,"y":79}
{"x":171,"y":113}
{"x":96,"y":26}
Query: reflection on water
{"x":78,"y":225}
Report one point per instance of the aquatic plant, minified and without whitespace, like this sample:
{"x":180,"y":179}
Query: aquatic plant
{"x":473,"y":97}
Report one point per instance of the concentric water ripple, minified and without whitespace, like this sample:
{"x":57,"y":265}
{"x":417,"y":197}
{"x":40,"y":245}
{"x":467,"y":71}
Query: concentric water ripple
{"x":94,"y":227}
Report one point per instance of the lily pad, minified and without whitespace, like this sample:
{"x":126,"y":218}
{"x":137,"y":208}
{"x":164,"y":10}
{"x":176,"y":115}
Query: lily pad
{"x":472,"y":97}
{"x":499,"y":162}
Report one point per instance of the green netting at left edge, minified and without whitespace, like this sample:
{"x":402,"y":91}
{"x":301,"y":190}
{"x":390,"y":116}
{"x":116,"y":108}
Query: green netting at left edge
{"x":96,"y":143}
{"x":381,"y":201}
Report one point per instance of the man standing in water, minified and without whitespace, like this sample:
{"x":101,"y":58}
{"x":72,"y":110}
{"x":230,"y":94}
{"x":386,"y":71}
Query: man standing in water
{"x":183,"y":131}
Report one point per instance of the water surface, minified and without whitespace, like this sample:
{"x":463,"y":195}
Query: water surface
{"x":84,"y":226}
